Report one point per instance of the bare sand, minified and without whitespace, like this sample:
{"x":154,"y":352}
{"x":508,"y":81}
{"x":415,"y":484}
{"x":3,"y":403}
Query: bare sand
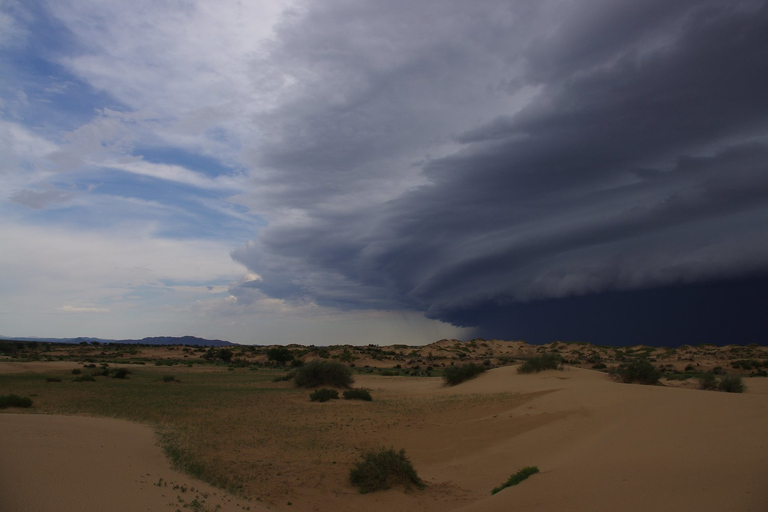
{"x":600,"y":446}
{"x":66,"y":463}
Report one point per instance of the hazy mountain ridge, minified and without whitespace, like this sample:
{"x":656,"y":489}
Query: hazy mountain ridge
{"x":153,"y":340}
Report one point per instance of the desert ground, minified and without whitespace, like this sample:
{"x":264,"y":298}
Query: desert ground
{"x":187,"y":430}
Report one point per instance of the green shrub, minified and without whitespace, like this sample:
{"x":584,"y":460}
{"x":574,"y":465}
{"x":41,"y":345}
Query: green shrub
{"x":453,"y":375}
{"x":517,"y":478}
{"x":641,"y":371}
{"x":323,"y":373}
{"x":358,"y":394}
{"x":540,"y":363}
{"x":731,"y":384}
{"x":381,"y":469}
{"x":707,"y":381}
{"x":14,"y":401}
{"x":323,"y":395}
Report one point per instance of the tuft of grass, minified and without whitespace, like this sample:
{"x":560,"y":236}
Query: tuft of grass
{"x":517,"y":478}
{"x":14,"y":401}
{"x":641,"y":371}
{"x":323,"y":395}
{"x":731,"y":384}
{"x":382,"y":468}
{"x":358,"y":394}
{"x":84,"y":378}
{"x":453,"y":375}
{"x":323,"y":373}
{"x":541,"y":363}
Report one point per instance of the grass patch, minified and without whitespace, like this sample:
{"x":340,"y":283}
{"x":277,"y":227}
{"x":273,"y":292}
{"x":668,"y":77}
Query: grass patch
{"x":541,"y":363}
{"x":381,"y":469}
{"x":453,"y":375}
{"x":323,"y":373}
{"x":358,"y":394}
{"x":15,"y":401}
{"x":323,"y":395}
{"x":517,"y":478}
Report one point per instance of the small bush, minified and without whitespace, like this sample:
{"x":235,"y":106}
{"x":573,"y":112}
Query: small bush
{"x":170,"y":378}
{"x":707,"y":381}
{"x":731,"y":384}
{"x":358,"y":394}
{"x":323,"y":373}
{"x":517,"y":478}
{"x":121,"y":373}
{"x":14,"y":401}
{"x":457,"y":374}
{"x":323,"y":395}
{"x":381,"y":469}
{"x":76,"y":371}
{"x":84,"y":378}
{"x":540,"y":363}
{"x":641,"y":371}
{"x":53,"y":379}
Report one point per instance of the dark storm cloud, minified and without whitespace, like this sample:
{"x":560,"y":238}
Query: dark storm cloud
{"x":581,"y":148}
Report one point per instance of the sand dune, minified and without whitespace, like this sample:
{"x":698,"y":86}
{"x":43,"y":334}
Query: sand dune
{"x":600,"y":446}
{"x":65,"y":463}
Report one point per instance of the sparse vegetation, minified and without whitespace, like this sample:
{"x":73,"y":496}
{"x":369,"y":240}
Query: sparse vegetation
{"x":121,"y":373}
{"x":517,"y":478}
{"x":15,"y":401}
{"x":381,"y":469}
{"x":454,"y":375}
{"x":540,"y":363}
{"x":323,"y":395}
{"x":358,"y":394}
{"x":323,"y":373}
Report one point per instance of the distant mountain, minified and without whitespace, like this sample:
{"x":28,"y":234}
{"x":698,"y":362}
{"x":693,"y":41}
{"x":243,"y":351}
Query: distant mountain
{"x":155,"y":340}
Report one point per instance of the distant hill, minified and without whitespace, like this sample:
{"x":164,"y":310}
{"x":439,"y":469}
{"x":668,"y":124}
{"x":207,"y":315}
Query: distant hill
{"x":155,"y":340}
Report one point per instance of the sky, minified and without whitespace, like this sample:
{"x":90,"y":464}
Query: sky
{"x":361,"y":172}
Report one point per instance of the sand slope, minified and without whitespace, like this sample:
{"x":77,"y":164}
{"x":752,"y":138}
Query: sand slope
{"x":63,"y":463}
{"x":600,"y":446}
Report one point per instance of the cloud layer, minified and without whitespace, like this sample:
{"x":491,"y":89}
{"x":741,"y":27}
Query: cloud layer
{"x":463,"y":161}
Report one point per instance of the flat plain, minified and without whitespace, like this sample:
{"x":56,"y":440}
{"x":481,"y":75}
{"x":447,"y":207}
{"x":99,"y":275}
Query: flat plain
{"x":220,"y":429}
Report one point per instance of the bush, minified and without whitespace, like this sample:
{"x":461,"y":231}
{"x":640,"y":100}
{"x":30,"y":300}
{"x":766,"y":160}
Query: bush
{"x":453,"y":375}
{"x":731,"y":384}
{"x":641,"y":371}
{"x":381,"y":469}
{"x":84,"y":378}
{"x":540,"y":363}
{"x":53,"y":379}
{"x":323,"y":395}
{"x":169,"y":378}
{"x":14,"y":401}
{"x":517,"y":478}
{"x":707,"y":381}
{"x":323,"y":373}
{"x":121,"y":373}
{"x":357,"y":394}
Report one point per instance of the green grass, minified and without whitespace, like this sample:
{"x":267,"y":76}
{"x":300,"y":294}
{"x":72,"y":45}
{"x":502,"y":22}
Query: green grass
{"x":381,"y":469}
{"x":517,"y":478}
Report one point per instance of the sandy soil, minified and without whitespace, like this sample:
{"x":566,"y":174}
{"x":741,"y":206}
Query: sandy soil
{"x":600,"y":446}
{"x":64,"y":463}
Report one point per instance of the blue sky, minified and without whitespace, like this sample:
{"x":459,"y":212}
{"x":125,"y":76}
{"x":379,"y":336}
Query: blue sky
{"x":326,"y":172}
